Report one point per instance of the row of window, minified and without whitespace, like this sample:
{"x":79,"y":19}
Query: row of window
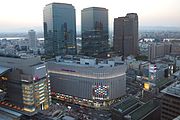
{"x":170,"y":110}
{"x":171,"y":106}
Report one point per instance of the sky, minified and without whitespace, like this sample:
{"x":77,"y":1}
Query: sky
{"x":21,"y":15}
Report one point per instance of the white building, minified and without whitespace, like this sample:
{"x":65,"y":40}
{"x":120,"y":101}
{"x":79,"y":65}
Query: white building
{"x":32,"y":39}
{"x":88,"y":78}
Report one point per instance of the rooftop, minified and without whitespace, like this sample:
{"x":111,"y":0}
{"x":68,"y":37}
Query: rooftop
{"x":3,"y":70}
{"x":144,"y":110}
{"x":173,"y":89}
{"x":88,"y":61}
{"x":20,"y":56}
{"x":59,"y":4}
{"x":10,"y":112}
{"x":126,"y":104}
{"x":177,"y":73}
{"x":94,"y":8}
{"x":162,"y":82}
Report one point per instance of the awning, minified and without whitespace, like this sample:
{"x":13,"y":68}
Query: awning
{"x":3,"y":70}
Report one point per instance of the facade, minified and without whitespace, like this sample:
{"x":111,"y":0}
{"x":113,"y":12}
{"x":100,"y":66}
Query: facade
{"x":158,"y":71}
{"x":126,"y":35}
{"x":175,"y":49}
{"x":170,"y":102}
{"x":59,"y":29}
{"x":32,"y":39}
{"x":26,"y":84}
{"x":158,"y":50}
{"x":178,"y":63}
{"x":87,"y":79}
{"x":94,"y":27}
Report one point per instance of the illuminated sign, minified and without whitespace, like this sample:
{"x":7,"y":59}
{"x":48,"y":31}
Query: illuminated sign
{"x":152,"y":71}
{"x":40,"y":67}
{"x":146,"y":86}
{"x":68,"y":70}
{"x":100,"y":92}
{"x":35,"y":78}
{"x":24,"y":80}
{"x":152,"y":68}
{"x":4,"y":78}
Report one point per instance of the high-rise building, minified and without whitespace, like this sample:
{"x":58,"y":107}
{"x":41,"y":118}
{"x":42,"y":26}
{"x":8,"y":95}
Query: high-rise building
{"x":175,"y":48}
{"x":94,"y":21}
{"x":32,"y":39}
{"x":158,"y":50}
{"x":126,"y":35}
{"x":59,"y":29}
{"x":26,"y":84}
{"x":170,"y":102}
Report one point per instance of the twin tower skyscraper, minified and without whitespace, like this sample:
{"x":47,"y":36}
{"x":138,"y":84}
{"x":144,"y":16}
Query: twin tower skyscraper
{"x":60,"y":30}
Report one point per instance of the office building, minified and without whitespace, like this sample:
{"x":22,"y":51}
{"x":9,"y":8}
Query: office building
{"x":170,"y":102}
{"x":175,"y":48}
{"x":126,"y":35}
{"x":158,"y":71}
{"x":59,"y":29}
{"x":26,"y":84}
{"x":158,"y":50}
{"x":94,"y":28}
{"x":85,"y":79}
{"x":32,"y":39}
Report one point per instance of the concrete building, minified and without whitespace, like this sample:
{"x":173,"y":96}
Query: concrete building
{"x":26,"y":84}
{"x":133,"y":109}
{"x":170,"y":102}
{"x":32,"y":39}
{"x":94,"y":21}
{"x":158,"y":71}
{"x":175,"y":49}
{"x":178,"y":63}
{"x":59,"y":29}
{"x":126,"y":35}
{"x":87,"y":79}
{"x":158,"y":50}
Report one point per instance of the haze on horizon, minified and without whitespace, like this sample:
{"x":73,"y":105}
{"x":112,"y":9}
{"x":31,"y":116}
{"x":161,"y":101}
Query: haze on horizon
{"x":22,"y":15}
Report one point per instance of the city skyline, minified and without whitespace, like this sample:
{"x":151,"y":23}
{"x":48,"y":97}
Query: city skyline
{"x":29,"y":14}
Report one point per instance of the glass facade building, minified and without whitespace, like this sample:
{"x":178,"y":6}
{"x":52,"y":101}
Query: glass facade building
{"x":94,"y":28}
{"x":59,"y":29}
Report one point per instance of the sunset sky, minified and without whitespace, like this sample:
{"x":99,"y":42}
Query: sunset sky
{"x":27,"y":14}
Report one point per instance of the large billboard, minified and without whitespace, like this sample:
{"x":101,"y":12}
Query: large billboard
{"x":100,"y":92}
{"x":152,"y":71}
{"x":39,"y":71}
